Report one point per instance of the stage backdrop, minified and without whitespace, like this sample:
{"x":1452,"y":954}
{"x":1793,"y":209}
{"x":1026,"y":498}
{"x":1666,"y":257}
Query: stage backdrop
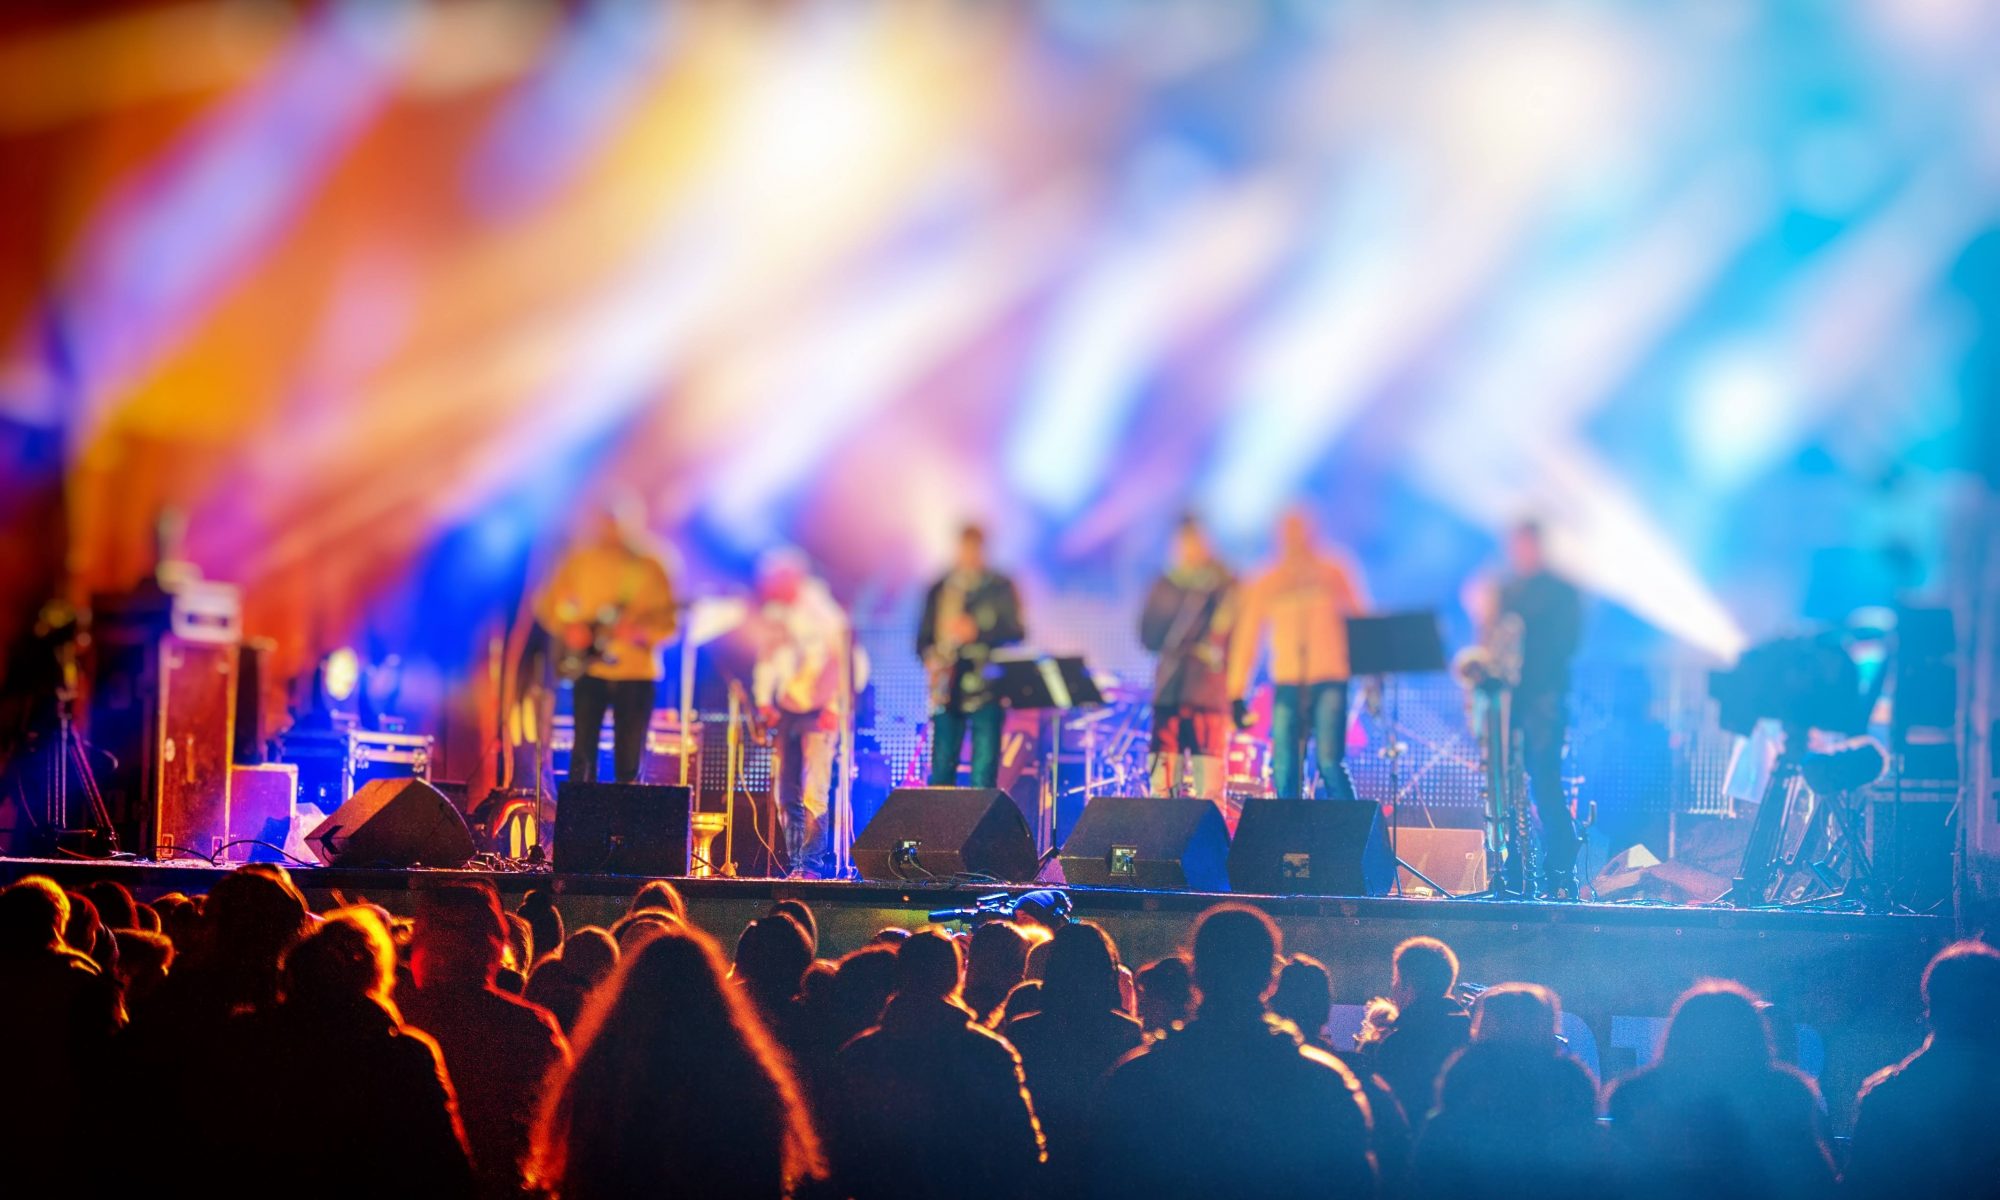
{"x":381,"y":295}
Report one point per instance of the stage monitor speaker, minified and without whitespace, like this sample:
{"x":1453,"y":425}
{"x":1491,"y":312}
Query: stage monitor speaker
{"x":1178,"y":843}
{"x":1310,"y":848}
{"x":622,"y":829}
{"x":394,"y":823}
{"x":936,"y":833}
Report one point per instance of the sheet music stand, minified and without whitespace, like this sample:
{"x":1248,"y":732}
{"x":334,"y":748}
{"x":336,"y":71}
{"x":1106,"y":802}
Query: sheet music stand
{"x":1050,"y":685}
{"x":1394,"y":645}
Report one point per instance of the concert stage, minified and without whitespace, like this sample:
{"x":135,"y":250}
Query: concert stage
{"x":1847,"y":980}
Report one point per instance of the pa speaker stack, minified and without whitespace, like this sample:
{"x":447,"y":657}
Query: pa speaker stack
{"x":1310,"y":848}
{"x":938,"y":833}
{"x":622,"y":829}
{"x":1177,"y":843}
{"x":394,"y":823}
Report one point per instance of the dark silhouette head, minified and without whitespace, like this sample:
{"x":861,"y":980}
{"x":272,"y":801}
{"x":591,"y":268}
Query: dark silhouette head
{"x":1521,"y":1014}
{"x":771,"y":960}
{"x":1304,"y":995}
{"x":115,"y":906}
{"x":996,"y":958}
{"x":800,"y":911}
{"x":1166,"y":992}
{"x":1235,"y":953}
{"x":460,"y":935}
{"x":852,"y":1000}
{"x":252,"y":918}
{"x":1083,"y":971}
{"x":84,"y":932}
{"x":1425,"y":969}
{"x":677,"y":1087}
{"x":539,"y":907}
{"x":33,"y":914}
{"x":589,"y":956}
{"x":1962,"y":993}
{"x":928,"y":966}
{"x":660,"y":896}
{"x":1717,"y":1026}
{"x":632,"y":928}
{"x":349,"y":960}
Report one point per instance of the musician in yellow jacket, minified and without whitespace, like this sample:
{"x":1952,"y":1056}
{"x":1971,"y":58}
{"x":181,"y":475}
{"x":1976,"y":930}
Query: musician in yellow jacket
{"x":1302,"y":601}
{"x":609,"y":606}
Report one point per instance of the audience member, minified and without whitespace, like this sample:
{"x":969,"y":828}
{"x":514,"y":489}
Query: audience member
{"x":657,"y":895}
{"x":1304,"y":996}
{"x":892,"y":935}
{"x":146,"y":918}
{"x":1516,"y":1115}
{"x":846,"y":1003}
{"x":87,"y":934}
{"x":58,"y":1011}
{"x":1077,"y":1036}
{"x":1926,"y":1126}
{"x":632,"y":928}
{"x":538,"y":908}
{"x":397,"y":1127}
{"x":772,"y":955}
{"x":1230,"y":1103}
{"x":144,"y":960}
{"x":1166,"y":993}
{"x":932,"y":1103}
{"x":1718,"y":1115}
{"x":1024,"y":1001}
{"x":520,"y":956}
{"x":1428,"y":1027}
{"x":498,"y":1050}
{"x":114,"y":903}
{"x":798,"y":910}
{"x":563,"y":981}
{"x":677,"y":1089}
{"x":996,"y":958}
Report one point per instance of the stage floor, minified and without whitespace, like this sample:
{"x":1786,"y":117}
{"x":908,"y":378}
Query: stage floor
{"x":1846,"y":981}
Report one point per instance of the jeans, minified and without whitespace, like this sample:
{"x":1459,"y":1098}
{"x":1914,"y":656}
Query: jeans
{"x":805,"y":779}
{"x":948,"y":729}
{"x":1542,"y":720}
{"x":1326,"y":703}
{"x":631,"y":704}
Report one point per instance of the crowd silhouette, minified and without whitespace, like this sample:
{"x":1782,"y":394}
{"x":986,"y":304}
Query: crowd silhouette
{"x":468,"y":1051}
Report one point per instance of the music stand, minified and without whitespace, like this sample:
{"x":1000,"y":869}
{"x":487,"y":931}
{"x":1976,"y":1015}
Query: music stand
{"x":1050,"y":685}
{"x":1394,"y":645}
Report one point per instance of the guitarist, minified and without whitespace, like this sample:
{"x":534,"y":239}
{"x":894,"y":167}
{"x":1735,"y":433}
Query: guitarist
{"x":968,"y":614}
{"x":609,"y":606}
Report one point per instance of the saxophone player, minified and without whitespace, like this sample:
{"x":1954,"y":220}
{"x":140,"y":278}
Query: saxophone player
{"x":968,"y":614}
{"x":1547,"y":611}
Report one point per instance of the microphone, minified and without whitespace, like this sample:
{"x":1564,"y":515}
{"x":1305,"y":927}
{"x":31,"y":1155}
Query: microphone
{"x":1048,"y":907}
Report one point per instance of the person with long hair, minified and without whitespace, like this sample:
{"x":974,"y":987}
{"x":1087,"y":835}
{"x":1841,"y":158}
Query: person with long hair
{"x":1719,"y":1115}
{"x":1080,"y":1032}
{"x":677,"y":1088}
{"x":335,"y":1045}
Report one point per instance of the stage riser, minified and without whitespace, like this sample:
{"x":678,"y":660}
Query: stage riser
{"x":1852,"y":980}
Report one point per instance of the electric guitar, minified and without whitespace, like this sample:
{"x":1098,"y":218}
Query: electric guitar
{"x":574,"y":662}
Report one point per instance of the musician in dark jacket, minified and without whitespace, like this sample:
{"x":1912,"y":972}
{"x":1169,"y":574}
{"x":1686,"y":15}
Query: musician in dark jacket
{"x":1187,"y":623}
{"x":1550,"y":611}
{"x":968,"y":614}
